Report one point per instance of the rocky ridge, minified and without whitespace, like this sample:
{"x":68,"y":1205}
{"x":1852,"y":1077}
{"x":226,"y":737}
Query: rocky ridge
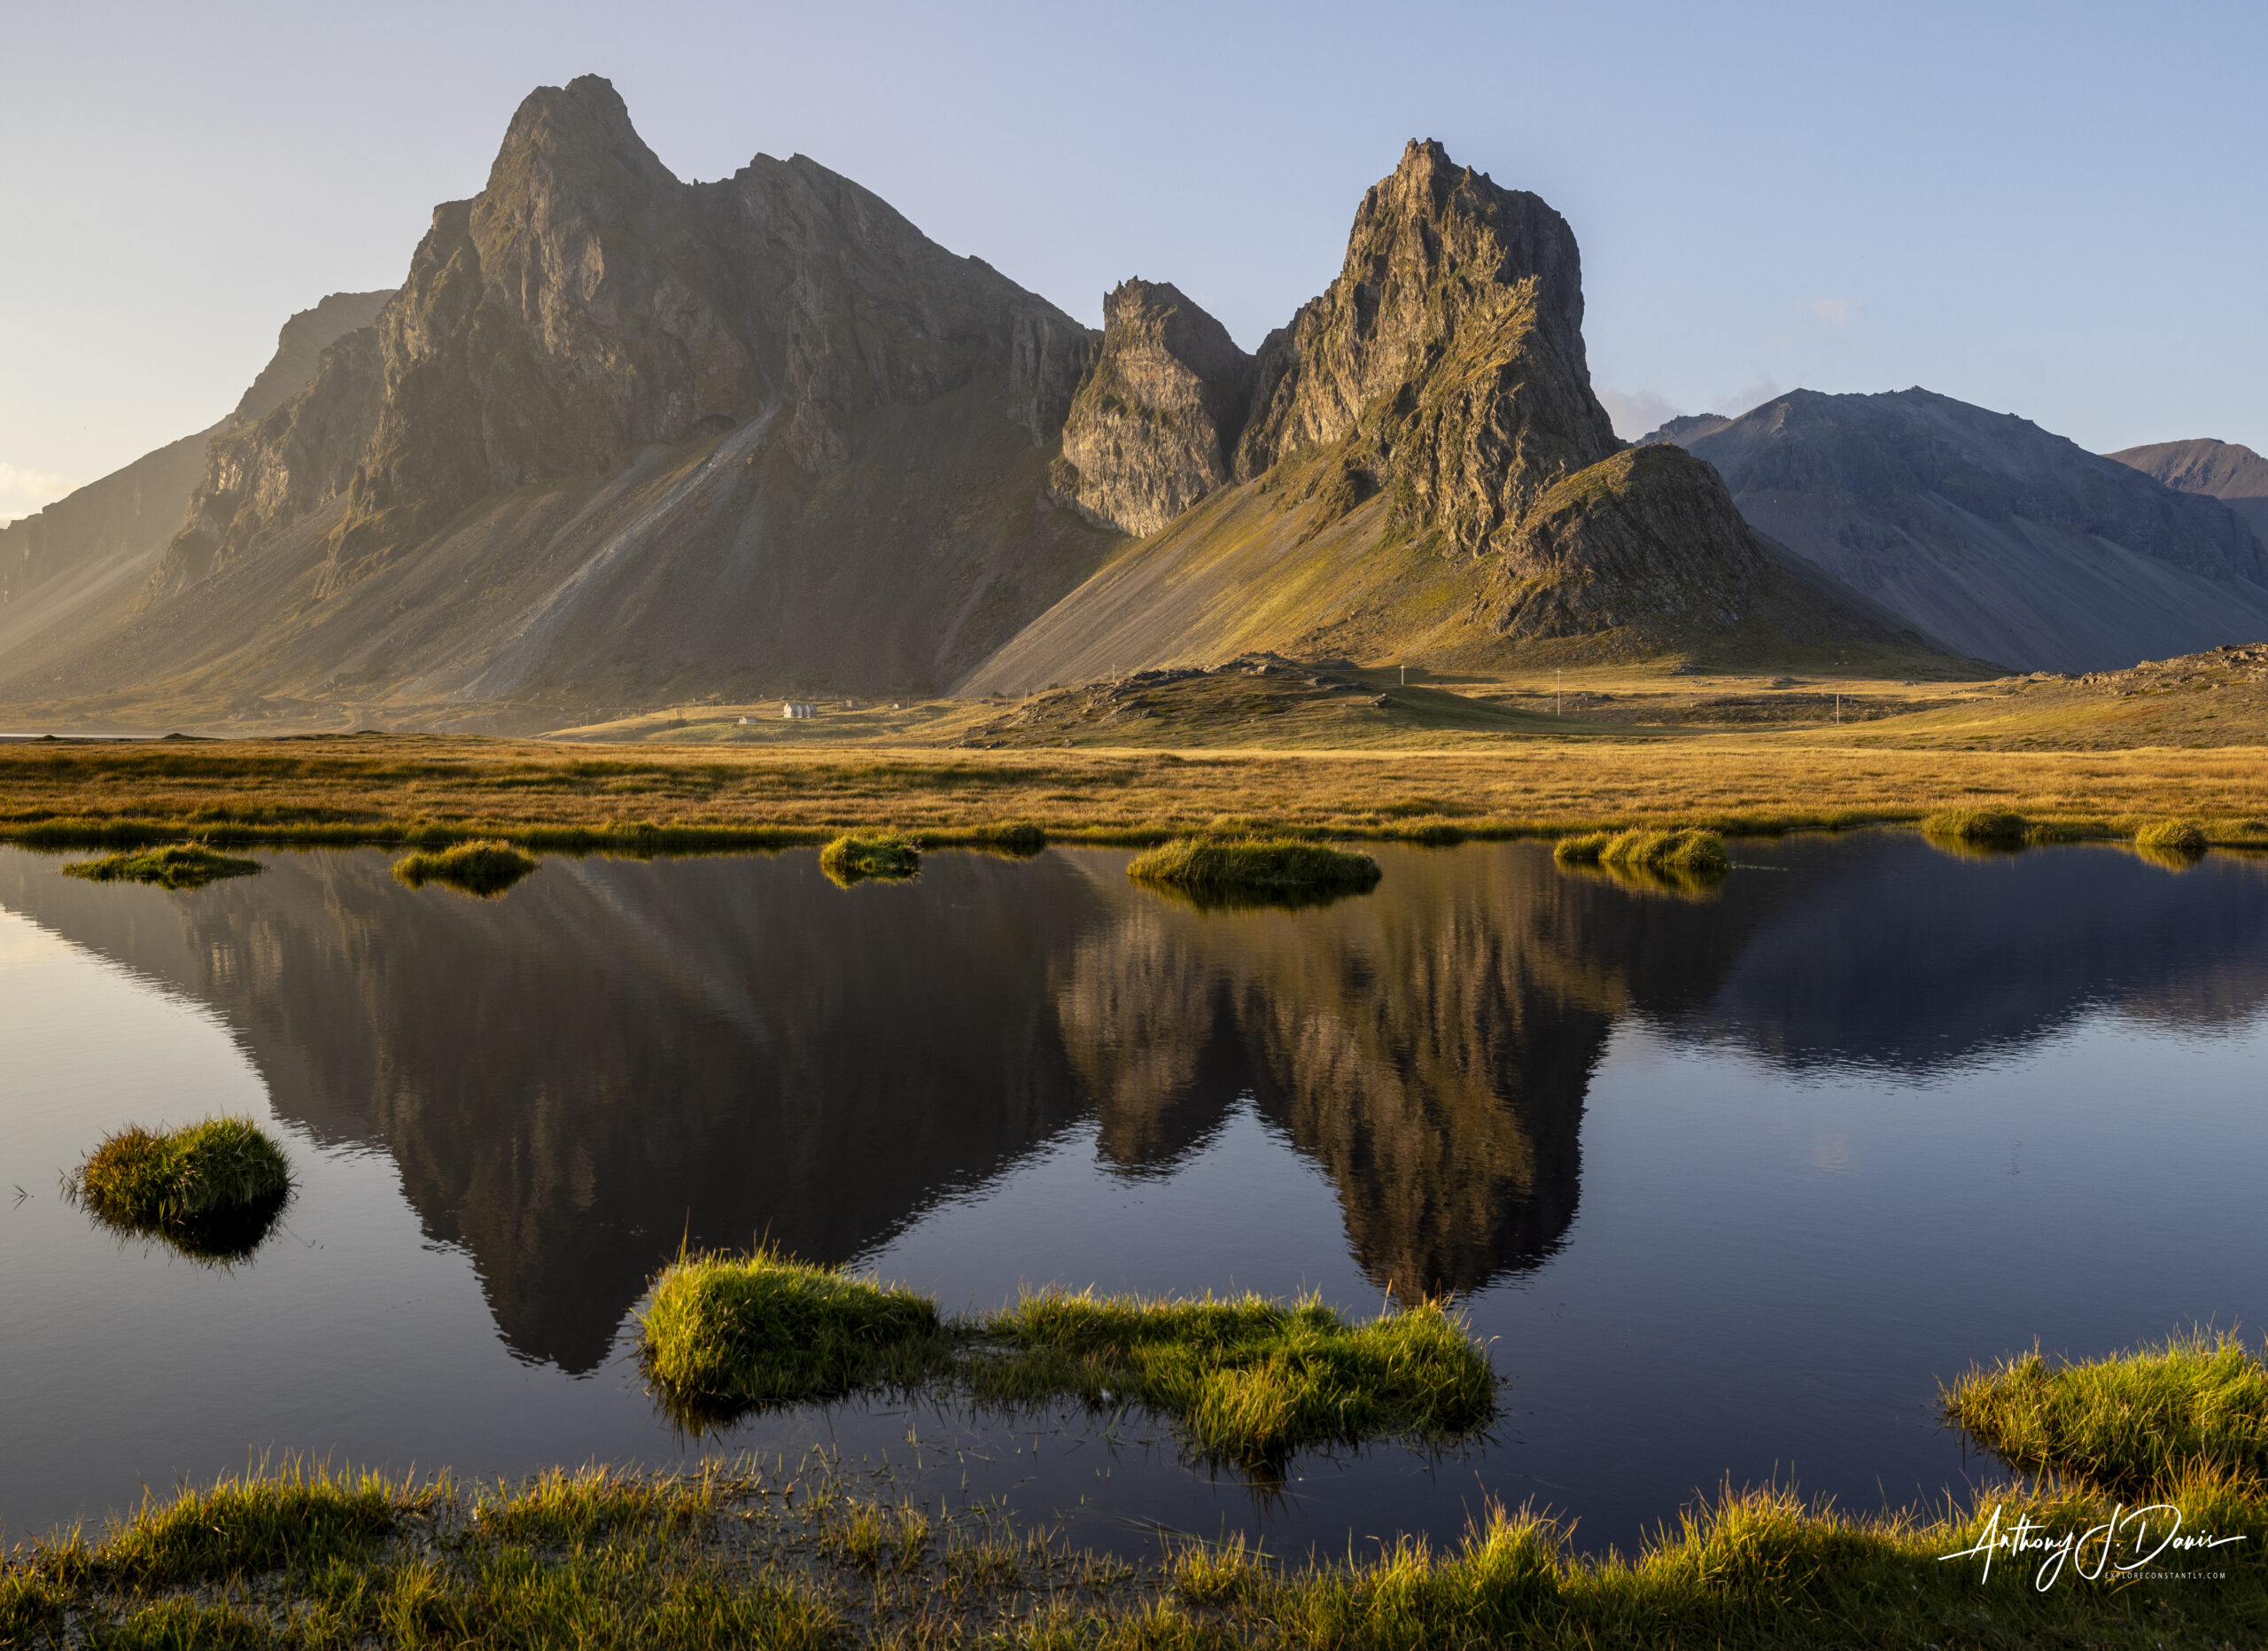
{"x":2235,"y":474}
{"x":2008,"y":541}
{"x":96,"y":542}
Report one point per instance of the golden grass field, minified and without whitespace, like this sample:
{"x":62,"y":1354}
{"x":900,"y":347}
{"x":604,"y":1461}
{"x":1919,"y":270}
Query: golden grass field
{"x":1294,"y":748}
{"x":392,"y":788}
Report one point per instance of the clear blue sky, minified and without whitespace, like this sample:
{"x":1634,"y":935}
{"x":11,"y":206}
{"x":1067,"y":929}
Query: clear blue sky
{"x":2052,"y":210}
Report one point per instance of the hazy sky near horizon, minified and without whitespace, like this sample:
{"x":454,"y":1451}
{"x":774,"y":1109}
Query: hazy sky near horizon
{"x":2059,"y":211}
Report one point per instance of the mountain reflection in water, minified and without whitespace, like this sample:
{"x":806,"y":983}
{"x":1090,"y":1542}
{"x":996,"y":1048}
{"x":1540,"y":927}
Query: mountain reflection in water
{"x":620,"y":1055}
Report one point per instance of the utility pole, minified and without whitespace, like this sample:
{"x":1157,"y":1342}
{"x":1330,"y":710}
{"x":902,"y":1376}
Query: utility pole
{"x":1559,"y":691}
{"x":1405,"y":676}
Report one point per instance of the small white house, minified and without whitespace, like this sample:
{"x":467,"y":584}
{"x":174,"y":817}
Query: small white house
{"x":797,"y":710}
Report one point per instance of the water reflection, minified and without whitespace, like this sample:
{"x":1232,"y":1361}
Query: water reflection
{"x":623,"y":1055}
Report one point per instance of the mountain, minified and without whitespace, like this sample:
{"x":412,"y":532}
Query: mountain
{"x":2235,"y":475}
{"x":97,"y":544}
{"x":619,"y":439}
{"x":1414,"y":468}
{"x":2007,"y":541}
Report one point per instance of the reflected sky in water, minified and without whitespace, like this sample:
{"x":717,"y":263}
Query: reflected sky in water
{"x":1732,"y":1181}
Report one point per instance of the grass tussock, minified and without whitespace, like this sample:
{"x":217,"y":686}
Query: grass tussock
{"x":2124,"y":1424}
{"x":724,"y":1334}
{"x":857,"y":857}
{"x":212,"y":1189}
{"x":175,"y":866}
{"x":1254,"y":870}
{"x":1581,"y":848}
{"x":1689,"y":853}
{"x":2185,"y":839}
{"x":1249,"y":1380}
{"x":484,"y":868}
{"x":1984,"y":828}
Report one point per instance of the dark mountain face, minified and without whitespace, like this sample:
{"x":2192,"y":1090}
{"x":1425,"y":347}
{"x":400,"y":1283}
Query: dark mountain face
{"x":1423,"y":472}
{"x":2235,"y":475}
{"x":2006,"y":542}
{"x":621,"y":438}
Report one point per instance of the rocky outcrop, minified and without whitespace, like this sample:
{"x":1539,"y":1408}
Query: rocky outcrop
{"x":299,"y":351}
{"x":1647,"y":539}
{"x":1156,"y":418}
{"x":274,"y":470}
{"x":1452,"y":345}
{"x":2235,"y":475}
{"x":2003,"y":539}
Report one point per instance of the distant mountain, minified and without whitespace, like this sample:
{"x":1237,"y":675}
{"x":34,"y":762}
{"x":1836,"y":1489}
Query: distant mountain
{"x":1414,"y":468}
{"x":2235,"y":475}
{"x":619,"y":439}
{"x":2006,"y":542}
{"x":99,"y":543}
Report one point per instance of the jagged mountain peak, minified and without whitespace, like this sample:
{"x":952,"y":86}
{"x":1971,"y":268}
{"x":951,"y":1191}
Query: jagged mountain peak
{"x":1448,"y":356}
{"x":581,"y":132}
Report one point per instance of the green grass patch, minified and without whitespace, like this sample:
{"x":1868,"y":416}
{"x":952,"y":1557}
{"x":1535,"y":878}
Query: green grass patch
{"x":212,"y":1189}
{"x":297,"y":1516}
{"x":2127,"y":1422}
{"x":856,"y":857}
{"x":175,"y":866}
{"x":1581,"y":848}
{"x":795,"y":1558}
{"x":725,"y":1334}
{"x":1977,"y":828}
{"x":1690,"y":853}
{"x":2184,"y":837}
{"x":1249,"y":1380}
{"x":483,"y":868}
{"x":1254,"y":870}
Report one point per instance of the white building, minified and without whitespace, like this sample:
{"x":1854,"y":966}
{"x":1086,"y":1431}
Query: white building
{"x":798,"y":709}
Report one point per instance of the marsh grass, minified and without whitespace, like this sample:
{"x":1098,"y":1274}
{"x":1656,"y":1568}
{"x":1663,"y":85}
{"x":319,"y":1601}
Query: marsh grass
{"x":2174,"y":843}
{"x":723,"y":1335}
{"x":857,"y":857}
{"x":792,"y":1558}
{"x":1581,"y":848}
{"x":175,"y":866}
{"x":1013,"y":839}
{"x":483,"y":868}
{"x":1254,"y":871}
{"x":2125,"y":1423}
{"x":1248,"y":1380}
{"x":1689,"y":852}
{"x":212,"y":1189}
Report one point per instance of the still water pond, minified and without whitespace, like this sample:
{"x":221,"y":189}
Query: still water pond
{"x":1732,"y":1183}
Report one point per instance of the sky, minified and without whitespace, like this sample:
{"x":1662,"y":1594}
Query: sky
{"x":2058,"y":211}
